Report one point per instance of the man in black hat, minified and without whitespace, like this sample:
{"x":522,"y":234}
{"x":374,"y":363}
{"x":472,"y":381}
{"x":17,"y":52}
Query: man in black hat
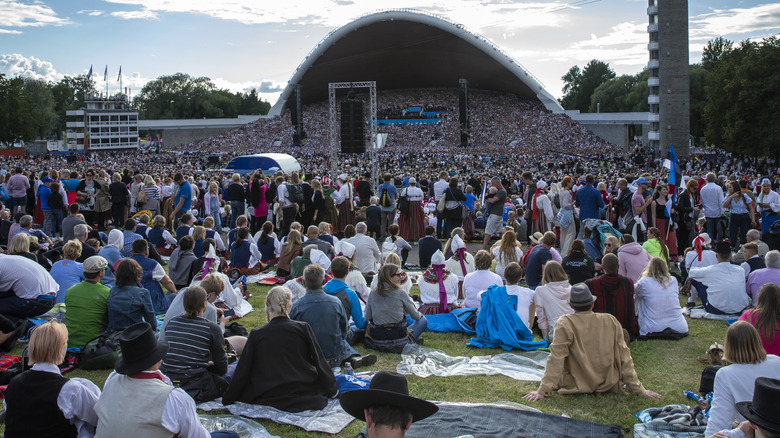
{"x":386,"y":406}
{"x":588,"y":353}
{"x":762,"y":413}
{"x":721,"y":287}
{"x":138,"y":400}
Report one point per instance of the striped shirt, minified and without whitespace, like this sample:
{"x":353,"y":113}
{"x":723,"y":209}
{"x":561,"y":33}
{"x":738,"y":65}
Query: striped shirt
{"x":152,"y":192}
{"x":193,"y":343}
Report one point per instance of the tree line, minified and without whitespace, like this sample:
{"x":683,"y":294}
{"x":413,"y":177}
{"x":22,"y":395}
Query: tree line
{"x":734,"y":94}
{"x":34,"y":108}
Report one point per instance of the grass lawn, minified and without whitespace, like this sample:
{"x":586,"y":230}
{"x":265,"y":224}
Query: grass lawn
{"x":667,"y":367}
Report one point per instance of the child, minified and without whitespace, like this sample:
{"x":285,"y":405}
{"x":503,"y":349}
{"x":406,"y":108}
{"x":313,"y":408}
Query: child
{"x":520,"y":297}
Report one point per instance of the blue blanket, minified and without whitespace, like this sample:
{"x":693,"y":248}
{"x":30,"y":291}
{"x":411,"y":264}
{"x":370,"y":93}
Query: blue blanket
{"x":454,"y":321}
{"x":498,"y":324}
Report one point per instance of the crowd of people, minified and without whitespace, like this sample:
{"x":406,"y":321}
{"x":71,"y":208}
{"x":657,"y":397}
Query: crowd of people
{"x":591,"y":243}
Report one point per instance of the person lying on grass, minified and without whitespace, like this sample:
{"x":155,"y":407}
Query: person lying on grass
{"x":589,"y":353}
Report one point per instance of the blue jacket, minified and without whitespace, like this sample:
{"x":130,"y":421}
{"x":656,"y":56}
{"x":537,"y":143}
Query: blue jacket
{"x":333,"y":287}
{"x":589,"y":201}
{"x":128,"y":305}
{"x":498,"y":324}
{"x":327,"y":318}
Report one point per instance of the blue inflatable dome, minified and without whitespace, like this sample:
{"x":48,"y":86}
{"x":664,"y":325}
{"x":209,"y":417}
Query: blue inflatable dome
{"x":267,"y":163}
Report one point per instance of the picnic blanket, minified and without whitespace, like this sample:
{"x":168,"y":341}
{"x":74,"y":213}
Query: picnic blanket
{"x":698,"y":312}
{"x":242,"y":426}
{"x":504,"y":420}
{"x":424,"y":362}
{"x":499,"y":325}
{"x":671,"y":421}
{"x":332,"y":419}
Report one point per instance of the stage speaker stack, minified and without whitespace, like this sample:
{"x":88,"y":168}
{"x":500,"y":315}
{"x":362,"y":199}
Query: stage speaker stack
{"x":72,"y":158}
{"x":213,"y":159}
{"x":352,"y":127}
{"x":463,"y":104}
{"x":296,"y":115}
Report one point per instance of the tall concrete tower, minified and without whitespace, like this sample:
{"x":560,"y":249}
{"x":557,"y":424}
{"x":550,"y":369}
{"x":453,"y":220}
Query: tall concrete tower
{"x":669,"y":81}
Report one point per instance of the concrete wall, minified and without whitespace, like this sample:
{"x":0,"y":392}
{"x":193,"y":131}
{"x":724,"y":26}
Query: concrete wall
{"x":674,"y":82}
{"x":176,"y":137}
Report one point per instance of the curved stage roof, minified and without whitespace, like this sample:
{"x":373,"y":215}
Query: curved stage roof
{"x":410,"y":49}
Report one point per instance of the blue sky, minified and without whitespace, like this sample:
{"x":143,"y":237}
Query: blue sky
{"x":244,"y":44}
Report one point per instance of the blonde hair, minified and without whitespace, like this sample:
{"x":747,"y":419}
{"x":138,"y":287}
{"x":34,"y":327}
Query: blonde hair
{"x":615,"y":244}
{"x":658,"y":269}
{"x":212,"y":283}
{"x":393,"y":259}
{"x":72,"y":249}
{"x":208,"y":222}
{"x":552,"y":272}
{"x":508,"y":249}
{"x":198,"y":233}
{"x":19,"y":243}
{"x":278,"y":302}
{"x":48,"y":343}
{"x":294,"y":238}
{"x":457,"y":231}
{"x":148,"y":180}
{"x":386,"y":280}
{"x":159,"y":221}
{"x":743,"y":344}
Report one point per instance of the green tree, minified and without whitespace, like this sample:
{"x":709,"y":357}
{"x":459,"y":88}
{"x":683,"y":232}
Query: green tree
{"x":698,"y":79}
{"x":16,"y":112}
{"x":40,"y":99}
{"x":714,"y":51}
{"x":626,"y":93}
{"x":252,"y":104}
{"x":580,"y":85}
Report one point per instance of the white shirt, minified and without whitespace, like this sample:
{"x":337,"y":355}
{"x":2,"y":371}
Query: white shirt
{"x":725,"y":286}
{"x":367,"y":254}
{"x":772,"y":198}
{"x":657,"y":306}
{"x":453,"y":266}
{"x":733,"y":384}
{"x":345,"y":193}
{"x":477,"y":282}
{"x":282,"y":196}
{"x":708,"y":258}
{"x":711,"y":197}
{"x":178,"y":416}
{"x":76,"y":400}
{"x":525,"y":297}
{"x":501,"y":263}
{"x":439,"y":187}
{"x":26,"y":278}
{"x":429,"y":292}
{"x":413,"y":193}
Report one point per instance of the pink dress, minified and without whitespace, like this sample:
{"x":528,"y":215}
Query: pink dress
{"x":771,"y":348}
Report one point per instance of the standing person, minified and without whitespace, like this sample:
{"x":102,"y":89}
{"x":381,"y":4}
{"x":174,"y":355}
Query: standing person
{"x":256,"y":197}
{"x":40,"y":401}
{"x":742,"y":217}
{"x":363,"y":190}
{"x":345,"y":204}
{"x":590,"y":201}
{"x":317,"y":202}
{"x":769,"y":202}
{"x":639,"y":205}
{"x":688,"y":210}
{"x":44,"y":191}
{"x":468,"y":221}
{"x":453,"y":207}
{"x":388,"y":195}
{"x":236,"y":194}
{"x":182,"y":201}
{"x":211,"y":205}
{"x":153,"y":194}
{"x":288,"y":208}
{"x":661,"y":218}
{"x":307,"y":207}
{"x":565,"y":217}
{"x":438,"y":191}
{"x":56,"y":203}
{"x":16,"y":187}
{"x":86,"y":191}
{"x":120,"y":198}
{"x":412,"y":221}
{"x":495,"y":205}
{"x":712,"y":198}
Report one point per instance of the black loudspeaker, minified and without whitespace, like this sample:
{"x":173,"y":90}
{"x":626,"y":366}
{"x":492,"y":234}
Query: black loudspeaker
{"x":296,"y":115}
{"x":213,"y":159}
{"x":352,"y":127}
{"x":463,"y":104}
{"x":72,"y":158}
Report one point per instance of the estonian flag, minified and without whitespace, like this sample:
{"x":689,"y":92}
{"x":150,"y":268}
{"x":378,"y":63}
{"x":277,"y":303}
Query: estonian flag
{"x":120,"y":74}
{"x":89,"y":75}
{"x":675,"y":176}
{"x":105,"y":74}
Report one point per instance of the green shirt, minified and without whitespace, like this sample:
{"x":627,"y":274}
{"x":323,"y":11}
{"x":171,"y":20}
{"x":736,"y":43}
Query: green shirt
{"x":85,"y":305}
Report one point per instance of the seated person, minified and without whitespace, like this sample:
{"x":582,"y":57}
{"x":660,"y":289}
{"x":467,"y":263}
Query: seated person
{"x":355,"y":279}
{"x":196,"y":346}
{"x":615,"y":295}
{"x":184,"y":264}
{"x":26,"y":289}
{"x":579,"y":266}
{"x":328,"y":319}
{"x":129,"y":303}
{"x":478,"y":281}
{"x":657,"y":303}
{"x":759,"y":278}
{"x":734,"y":383}
{"x":86,"y":304}
{"x":551,"y":298}
{"x":244,"y":254}
{"x":427,"y":246}
{"x":291,"y":249}
{"x":753,"y":261}
{"x":721,"y":287}
{"x":461,"y":263}
{"x":387,"y":307}
{"x":431,"y":283}
{"x":112,"y":252}
{"x":160,"y":238}
{"x":153,"y":276}
{"x":301,"y":262}
{"x":386,"y":406}
{"x":68,"y":271}
{"x":158,"y":409}
{"x":760,"y":413}
{"x":268,"y":244}
{"x":185,"y":226}
{"x":40,"y":402}
{"x":765,"y":317}
{"x":233,"y":296}
{"x":198,"y":236}
{"x":283,"y":366}
{"x":313,"y":238}
{"x":522,"y":297}
{"x":208,"y":224}
{"x":338,"y":287}
{"x":588,"y":354}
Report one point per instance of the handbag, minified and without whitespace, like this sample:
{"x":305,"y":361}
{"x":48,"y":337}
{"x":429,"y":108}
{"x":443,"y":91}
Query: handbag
{"x":101,"y":352}
{"x":403,"y":203}
{"x":440,"y":207}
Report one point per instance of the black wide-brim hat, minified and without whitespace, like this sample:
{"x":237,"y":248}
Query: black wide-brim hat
{"x":764,"y":410}
{"x":140,"y":349}
{"x":386,"y":388}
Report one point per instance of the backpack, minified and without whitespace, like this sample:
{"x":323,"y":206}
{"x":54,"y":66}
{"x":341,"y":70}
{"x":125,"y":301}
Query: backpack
{"x":384,"y":198}
{"x":557,"y":201}
{"x":100,"y":353}
{"x":270,"y":193}
{"x":295,"y":193}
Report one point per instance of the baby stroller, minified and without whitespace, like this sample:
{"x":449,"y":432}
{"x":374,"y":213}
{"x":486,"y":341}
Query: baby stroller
{"x":600,"y":230}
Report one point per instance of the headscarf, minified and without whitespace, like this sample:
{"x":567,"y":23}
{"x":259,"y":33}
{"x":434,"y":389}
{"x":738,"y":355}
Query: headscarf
{"x":210,"y":263}
{"x":459,"y":248}
{"x":345,"y":249}
{"x":437,"y":266}
{"x":319,"y":257}
{"x":116,"y":239}
{"x":701,"y":241}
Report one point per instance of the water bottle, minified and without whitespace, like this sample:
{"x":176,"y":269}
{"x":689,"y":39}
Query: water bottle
{"x":692,"y":395}
{"x":348,"y":369}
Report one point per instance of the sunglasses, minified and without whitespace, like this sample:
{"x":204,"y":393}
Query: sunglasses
{"x":399,"y":274}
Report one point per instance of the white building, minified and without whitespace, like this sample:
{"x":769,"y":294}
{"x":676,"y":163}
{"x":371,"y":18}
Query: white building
{"x":105,"y":124}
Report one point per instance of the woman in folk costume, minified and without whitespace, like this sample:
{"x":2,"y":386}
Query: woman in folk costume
{"x":330,"y":198}
{"x":660,"y":217}
{"x":355,"y":279}
{"x":769,"y":202}
{"x":345,"y":203}
{"x":412,"y":222}
{"x":461,"y":262}
{"x":541,"y":210}
{"x":438,"y":287}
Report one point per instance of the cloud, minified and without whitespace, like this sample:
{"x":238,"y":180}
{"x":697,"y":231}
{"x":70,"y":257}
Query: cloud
{"x":737,"y":21}
{"x":8,"y":31}
{"x":91,"y":12}
{"x":136,"y":15}
{"x":31,"y":14}
{"x":15,"y":64}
